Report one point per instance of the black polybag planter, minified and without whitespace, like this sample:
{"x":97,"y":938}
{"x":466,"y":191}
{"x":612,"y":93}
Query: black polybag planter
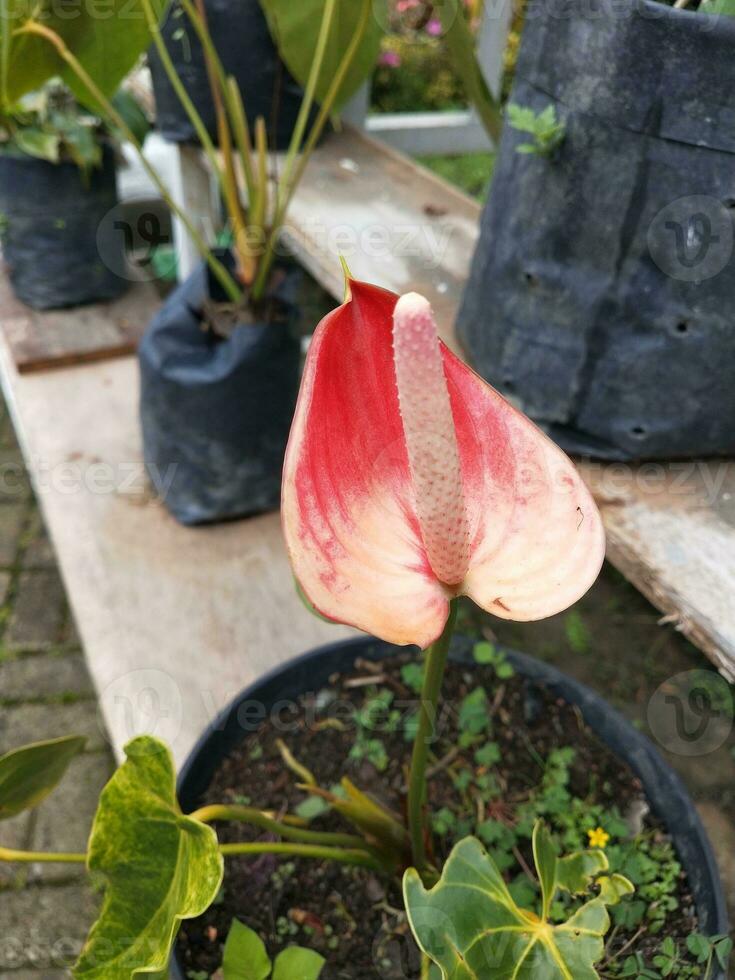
{"x":53,"y":222}
{"x":242,"y":39}
{"x":311,"y":671}
{"x":602,"y":292}
{"x":216,"y":413}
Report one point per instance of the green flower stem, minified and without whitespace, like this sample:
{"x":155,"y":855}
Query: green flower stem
{"x":26,"y":857}
{"x":307,"y":102}
{"x":231,"y":94}
{"x":288,"y":187}
{"x":461,"y":44}
{"x":436,"y":662}
{"x":4,"y":52}
{"x":360,"y":859}
{"x":218,"y":270}
{"x":257,"y":818}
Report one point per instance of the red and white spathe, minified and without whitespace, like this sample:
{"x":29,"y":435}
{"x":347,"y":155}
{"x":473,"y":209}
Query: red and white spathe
{"x":408,"y":480}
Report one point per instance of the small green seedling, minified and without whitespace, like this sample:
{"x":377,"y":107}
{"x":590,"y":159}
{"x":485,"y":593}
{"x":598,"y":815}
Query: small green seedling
{"x":246,"y":958}
{"x":547,"y":131}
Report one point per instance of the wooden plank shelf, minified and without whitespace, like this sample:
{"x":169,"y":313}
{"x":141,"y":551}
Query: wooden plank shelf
{"x":175,"y":621}
{"x":38,"y":341}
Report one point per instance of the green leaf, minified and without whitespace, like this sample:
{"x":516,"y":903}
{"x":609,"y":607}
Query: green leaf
{"x":82,"y":145}
{"x":699,"y":946}
{"x":296,"y":963}
{"x":613,"y":888}
{"x":471,"y":927}
{"x":574,"y":873}
{"x":412,"y":676}
{"x":311,"y":808}
{"x":488,"y":755}
{"x":30,"y":773}
{"x":545,"y":859}
{"x":723,"y":951}
{"x":38,"y":143}
{"x":577,"y":633}
{"x":474,"y":712}
{"x":158,"y":866}
{"x":522,"y":118}
{"x":295,"y":29}
{"x":132,"y":113}
{"x":106,"y":36}
{"x":484,"y":653}
{"x":245,"y":955}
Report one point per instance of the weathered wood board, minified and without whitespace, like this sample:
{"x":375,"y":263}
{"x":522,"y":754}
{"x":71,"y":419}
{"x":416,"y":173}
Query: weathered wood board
{"x":671,"y":532}
{"x":38,"y":341}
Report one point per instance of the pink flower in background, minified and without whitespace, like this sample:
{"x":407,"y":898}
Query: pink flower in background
{"x":389,"y":59}
{"x":434,"y":27}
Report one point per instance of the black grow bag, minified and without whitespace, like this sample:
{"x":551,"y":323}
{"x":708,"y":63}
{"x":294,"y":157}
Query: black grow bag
{"x":241,"y":37}
{"x":54,"y":236}
{"x":602,"y":293}
{"x":666,"y":793}
{"x":216,"y":413}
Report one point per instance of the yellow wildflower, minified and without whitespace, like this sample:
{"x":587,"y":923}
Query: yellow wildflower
{"x":598,"y":837}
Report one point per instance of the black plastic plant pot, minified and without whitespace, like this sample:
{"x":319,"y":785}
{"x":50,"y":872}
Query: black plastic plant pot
{"x":241,"y":37}
{"x":602,"y":293}
{"x":54,"y":235}
{"x":310,"y":672}
{"x":216,"y":412}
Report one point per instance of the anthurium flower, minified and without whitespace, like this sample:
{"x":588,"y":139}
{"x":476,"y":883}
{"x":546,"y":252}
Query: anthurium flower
{"x":408,"y":481}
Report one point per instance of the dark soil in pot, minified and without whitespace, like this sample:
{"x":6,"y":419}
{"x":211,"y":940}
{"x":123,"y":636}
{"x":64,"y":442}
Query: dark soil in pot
{"x":216,"y":411}
{"x":241,"y":37}
{"x":53,"y":232}
{"x":602,"y":292}
{"x":524,"y":752}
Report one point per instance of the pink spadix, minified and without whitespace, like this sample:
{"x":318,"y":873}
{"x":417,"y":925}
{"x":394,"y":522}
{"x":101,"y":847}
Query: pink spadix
{"x":431,"y":439}
{"x":408,"y":480}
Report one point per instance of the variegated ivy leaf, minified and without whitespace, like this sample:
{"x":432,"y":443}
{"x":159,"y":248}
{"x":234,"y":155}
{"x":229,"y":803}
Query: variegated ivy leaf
{"x":469,"y":925}
{"x":30,"y":773}
{"x":158,"y":865}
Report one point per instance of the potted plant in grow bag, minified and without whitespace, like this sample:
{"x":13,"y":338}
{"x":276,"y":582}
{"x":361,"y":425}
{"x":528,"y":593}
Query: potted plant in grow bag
{"x":57,"y":184}
{"x":53,"y":142}
{"x":408,"y":482}
{"x":220,"y":362}
{"x":607,"y":264}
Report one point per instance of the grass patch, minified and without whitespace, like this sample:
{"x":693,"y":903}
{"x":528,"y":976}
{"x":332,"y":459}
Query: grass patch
{"x":471,"y":172}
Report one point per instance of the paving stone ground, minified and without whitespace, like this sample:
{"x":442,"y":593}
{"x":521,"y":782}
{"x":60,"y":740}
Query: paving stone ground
{"x":45,"y":911}
{"x":45,"y":691}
